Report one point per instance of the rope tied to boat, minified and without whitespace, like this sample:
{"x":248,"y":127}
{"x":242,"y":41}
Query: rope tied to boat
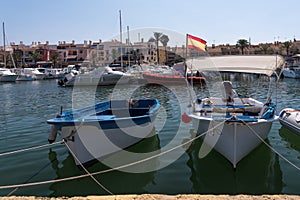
{"x":81,"y":165}
{"x":109,"y":170}
{"x":269,"y":146}
{"x":30,"y":148}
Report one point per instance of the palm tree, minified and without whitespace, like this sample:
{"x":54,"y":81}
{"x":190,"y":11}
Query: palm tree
{"x":156,"y":39}
{"x":164,"y":39}
{"x":265,"y":48}
{"x":242,"y":44}
{"x":36,"y":56}
{"x":287,"y":45}
{"x":54,"y":57}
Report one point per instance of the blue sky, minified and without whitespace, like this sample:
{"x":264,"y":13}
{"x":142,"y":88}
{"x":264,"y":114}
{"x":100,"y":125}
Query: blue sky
{"x":216,"y":21}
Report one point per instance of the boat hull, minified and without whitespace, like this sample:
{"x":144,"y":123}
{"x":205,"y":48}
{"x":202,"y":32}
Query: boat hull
{"x":94,"y":132}
{"x":90,"y":142}
{"x":171,"y":79}
{"x":290,"y":118}
{"x":233,"y":140}
{"x":287,"y":73}
{"x":8,"y":78}
{"x":108,"y":79}
{"x":38,"y":76}
{"x":25,"y":78}
{"x":233,"y":128}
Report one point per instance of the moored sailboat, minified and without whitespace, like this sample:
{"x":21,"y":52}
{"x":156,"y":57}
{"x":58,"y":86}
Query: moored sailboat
{"x":5,"y":74}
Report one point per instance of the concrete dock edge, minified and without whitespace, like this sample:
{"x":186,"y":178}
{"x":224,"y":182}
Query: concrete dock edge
{"x":162,"y":197}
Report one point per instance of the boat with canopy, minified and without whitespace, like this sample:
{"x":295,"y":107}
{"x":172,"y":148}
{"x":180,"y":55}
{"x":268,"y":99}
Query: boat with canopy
{"x":231,"y":124}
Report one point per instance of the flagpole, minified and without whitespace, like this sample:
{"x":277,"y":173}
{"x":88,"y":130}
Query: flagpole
{"x":185,"y":67}
{"x":186,"y":49}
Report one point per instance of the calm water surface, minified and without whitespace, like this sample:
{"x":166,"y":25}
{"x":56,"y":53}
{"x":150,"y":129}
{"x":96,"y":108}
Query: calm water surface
{"x":25,"y":107}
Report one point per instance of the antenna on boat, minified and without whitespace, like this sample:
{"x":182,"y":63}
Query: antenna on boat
{"x":61,"y":109}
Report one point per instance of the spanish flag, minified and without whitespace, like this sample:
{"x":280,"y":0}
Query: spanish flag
{"x":196,"y":43}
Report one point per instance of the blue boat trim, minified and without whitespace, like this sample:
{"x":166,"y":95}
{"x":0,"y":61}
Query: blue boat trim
{"x":107,"y":114}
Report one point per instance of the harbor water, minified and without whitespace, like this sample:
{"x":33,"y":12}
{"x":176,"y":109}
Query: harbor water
{"x":25,"y":107}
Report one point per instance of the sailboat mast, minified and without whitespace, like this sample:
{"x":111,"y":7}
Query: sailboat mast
{"x":4,"y":49}
{"x":128,"y":50}
{"x":121,"y":38}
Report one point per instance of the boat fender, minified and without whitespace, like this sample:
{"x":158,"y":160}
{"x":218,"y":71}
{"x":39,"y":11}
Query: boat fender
{"x":52,"y":135}
{"x":185,"y":118}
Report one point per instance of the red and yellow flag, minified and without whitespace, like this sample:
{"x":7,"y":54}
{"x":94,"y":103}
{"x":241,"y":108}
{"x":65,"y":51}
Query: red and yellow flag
{"x":196,"y":43}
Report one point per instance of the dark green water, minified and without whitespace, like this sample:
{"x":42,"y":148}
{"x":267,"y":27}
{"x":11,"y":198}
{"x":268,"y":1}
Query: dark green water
{"x":26,"y":106}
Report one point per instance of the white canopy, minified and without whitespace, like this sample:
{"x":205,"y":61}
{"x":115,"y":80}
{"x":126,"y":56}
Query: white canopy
{"x":247,"y":64}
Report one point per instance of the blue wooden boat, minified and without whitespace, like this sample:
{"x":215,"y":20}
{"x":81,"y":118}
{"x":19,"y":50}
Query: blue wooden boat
{"x":94,"y":132}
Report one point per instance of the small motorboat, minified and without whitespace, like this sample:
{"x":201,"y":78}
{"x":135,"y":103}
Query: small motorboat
{"x":290,"y":118}
{"x":94,"y":132}
{"x":233,"y":125}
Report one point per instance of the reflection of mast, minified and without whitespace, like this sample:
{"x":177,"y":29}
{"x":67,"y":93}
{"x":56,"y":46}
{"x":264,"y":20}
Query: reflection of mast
{"x":121,"y":37}
{"x":4,"y":46}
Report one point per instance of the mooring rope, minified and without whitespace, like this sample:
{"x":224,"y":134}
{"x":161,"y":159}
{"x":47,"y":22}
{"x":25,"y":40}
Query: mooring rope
{"x":36,"y":173}
{"x":269,"y":146}
{"x":125,"y":165}
{"x":30,"y":148}
{"x":108,"y":170}
{"x":73,"y":154}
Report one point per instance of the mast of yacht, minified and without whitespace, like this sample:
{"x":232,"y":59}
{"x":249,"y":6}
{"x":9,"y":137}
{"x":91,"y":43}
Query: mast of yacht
{"x":4,"y":49}
{"x":128,"y":49}
{"x":121,"y":38}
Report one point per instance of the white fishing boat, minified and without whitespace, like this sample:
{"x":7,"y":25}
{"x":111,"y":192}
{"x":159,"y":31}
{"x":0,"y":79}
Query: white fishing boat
{"x":232,"y":125}
{"x":99,"y":130}
{"x":290,"y":118}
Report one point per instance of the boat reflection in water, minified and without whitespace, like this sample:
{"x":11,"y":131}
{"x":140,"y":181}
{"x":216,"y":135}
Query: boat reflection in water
{"x":291,"y":137}
{"x":258,"y":173}
{"x":118,"y":182}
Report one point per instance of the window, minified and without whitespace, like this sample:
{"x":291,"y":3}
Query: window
{"x":100,"y":47}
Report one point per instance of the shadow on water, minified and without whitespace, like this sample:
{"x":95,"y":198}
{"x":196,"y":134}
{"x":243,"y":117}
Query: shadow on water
{"x":291,"y":137}
{"x":118,"y":182}
{"x":257,"y":173}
